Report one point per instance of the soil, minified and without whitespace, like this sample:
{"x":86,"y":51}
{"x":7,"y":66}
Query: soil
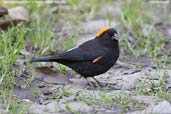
{"x":47,"y":90}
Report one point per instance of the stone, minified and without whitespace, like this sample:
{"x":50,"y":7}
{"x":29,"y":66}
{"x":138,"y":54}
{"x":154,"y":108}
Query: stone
{"x":49,"y":75}
{"x":59,"y":79}
{"x":36,"y":109}
{"x":79,"y":82}
{"x":150,"y":100}
{"x":19,"y":13}
{"x":76,"y":106}
{"x":163,"y":107}
{"x":51,"y":107}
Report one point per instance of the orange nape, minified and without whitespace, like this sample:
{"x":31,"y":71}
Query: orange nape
{"x":102,"y":30}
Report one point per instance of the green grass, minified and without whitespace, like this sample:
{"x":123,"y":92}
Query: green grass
{"x":120,"y":100}
{"x":143,"y":40}
{"x":33,"y":34}
{"x":11,"y":42}
{"x":153,"y":87}
{"x":134,"y":18}
{"x":38,"y":38}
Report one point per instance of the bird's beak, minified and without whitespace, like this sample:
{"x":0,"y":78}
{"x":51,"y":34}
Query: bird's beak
{"x":115,"y":36}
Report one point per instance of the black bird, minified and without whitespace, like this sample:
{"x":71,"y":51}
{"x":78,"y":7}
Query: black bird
{"x":91,"y":58}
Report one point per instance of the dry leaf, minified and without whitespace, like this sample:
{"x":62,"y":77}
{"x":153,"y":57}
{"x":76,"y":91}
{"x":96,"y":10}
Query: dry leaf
{"x":15,"y":15}
{"x":48,"y":75}
{"x":46,"y":70}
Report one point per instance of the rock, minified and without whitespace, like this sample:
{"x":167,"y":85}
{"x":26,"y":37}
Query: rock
{"x":49,"y":75}
{"x":150,"y":100}
{"x":37,"y":109}
{"x":52,"y":79}
{"x":59,"y":79}
{"x":51,"y":107}
{"x":129,"y":79}
{"x":19,"y":13}
{"x":70,"y":98}
{"x":15,"y":15}
{"x":46,"y":91}
{"x":79,"y":82}
{"x":163,"y":107}
{"x":55,"y":107}
{"x":75,"y":107}
{"x":25,"y":94}
{"x":120,"y":78}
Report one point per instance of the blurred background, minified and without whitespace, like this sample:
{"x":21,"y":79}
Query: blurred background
{"x":32,"y":28}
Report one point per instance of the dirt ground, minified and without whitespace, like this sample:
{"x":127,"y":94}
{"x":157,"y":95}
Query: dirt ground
{"x":132,"y":86}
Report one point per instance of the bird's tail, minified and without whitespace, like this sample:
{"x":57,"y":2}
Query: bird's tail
{"x":43,"y":59}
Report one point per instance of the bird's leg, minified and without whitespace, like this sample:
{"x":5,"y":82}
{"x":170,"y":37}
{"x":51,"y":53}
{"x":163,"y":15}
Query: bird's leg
{"x":96,"y":81}
{"x":90,"y":84}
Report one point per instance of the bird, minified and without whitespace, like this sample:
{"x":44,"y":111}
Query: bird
{"x":93,"y":57}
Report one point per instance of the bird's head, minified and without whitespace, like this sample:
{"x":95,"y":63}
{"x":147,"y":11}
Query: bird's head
{"x":109,"y":31}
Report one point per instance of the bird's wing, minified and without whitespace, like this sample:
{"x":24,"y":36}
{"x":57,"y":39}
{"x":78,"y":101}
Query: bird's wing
{"x":71,"y":55}
{"x":86,"y":52}
{"x":97,"y":59}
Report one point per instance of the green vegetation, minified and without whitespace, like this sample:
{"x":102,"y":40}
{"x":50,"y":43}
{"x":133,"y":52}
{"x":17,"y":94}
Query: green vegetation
{"x":145,"y":40}
{"x":11,"y":42}
{"x":137,"y":36}
{"x":142,"y":39}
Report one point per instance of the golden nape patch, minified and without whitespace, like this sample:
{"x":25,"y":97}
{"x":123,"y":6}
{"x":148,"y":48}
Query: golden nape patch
{"x":96,"y":59}
{"x":102,"y":30}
